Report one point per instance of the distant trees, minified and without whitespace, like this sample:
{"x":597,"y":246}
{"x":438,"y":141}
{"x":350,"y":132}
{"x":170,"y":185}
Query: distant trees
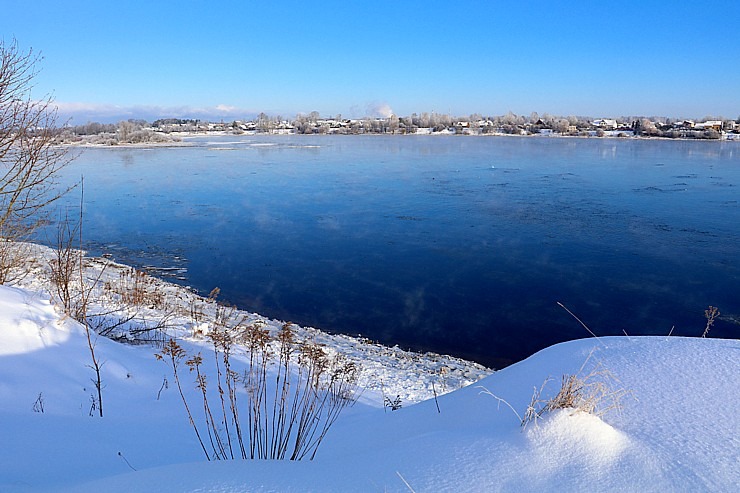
{"x":561,"y":125}
{"x":29,"y":160}
{"x":93,"y":128}
{"x":644,"y":126}
{"x":138,"y":131}
{"x":124,"y":132}
{"x":125,"y":129}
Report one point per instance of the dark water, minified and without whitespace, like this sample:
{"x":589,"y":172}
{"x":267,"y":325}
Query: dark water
{"x":459,"y":245}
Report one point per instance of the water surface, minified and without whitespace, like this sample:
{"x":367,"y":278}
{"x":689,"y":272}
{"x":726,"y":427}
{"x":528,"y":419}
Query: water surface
{"x":459,"y":245}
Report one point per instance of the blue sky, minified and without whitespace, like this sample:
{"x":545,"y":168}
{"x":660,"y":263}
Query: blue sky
{"x":230,"y":59}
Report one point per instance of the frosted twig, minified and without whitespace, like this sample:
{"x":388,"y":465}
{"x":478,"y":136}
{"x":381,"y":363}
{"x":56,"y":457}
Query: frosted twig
{"x":500,"y":400}
{"x":580,"y":322}
{"x":405,"y":482}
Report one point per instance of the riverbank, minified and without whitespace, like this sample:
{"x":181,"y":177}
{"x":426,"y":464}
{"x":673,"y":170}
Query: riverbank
{"x":119,"y":292}
{"x":180,"y":138}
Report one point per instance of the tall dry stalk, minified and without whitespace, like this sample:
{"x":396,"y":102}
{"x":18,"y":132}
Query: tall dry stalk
{"x":293,"y":391}
{"x":173,"y":354}
{"x":711,"y":313}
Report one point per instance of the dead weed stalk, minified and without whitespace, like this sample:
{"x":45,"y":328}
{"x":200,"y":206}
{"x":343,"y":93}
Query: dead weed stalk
{"x":280,"y":405}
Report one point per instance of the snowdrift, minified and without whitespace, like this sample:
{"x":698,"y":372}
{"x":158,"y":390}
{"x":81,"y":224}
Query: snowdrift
{"x":677,"y":429}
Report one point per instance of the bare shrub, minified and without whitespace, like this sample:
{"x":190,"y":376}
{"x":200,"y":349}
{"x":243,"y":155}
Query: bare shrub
{"x":65,"y":266}
{"x":13,"y":256}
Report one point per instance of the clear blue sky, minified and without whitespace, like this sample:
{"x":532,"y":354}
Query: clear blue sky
{"x":103,"y":60}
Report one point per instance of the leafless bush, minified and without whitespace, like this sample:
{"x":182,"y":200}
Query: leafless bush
{"x":13,"y":256}
{"x":65,"y":266}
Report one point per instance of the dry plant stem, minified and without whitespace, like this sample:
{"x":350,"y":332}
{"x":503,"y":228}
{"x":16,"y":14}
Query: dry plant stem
{"x":82,"y":312}
{"x":580,"y":322}
{"x":38,"y":405}
{"x":211,"y":428}
{"x":500,"y":400}
{"x":174,"y":354}
{"x":405,"y":482}
{"x":435,"y":398}
{"x":126,"y":461}
{"x":591,"y":393}
{"x":256,"y":340}
{"x":232,"y":378}
{"x":64,"y":265}
{"x":711,"y":313}
{"x":220,"y":343}
{"x":669,"y":333}
{"x":289,"y":410}
{"x":532,"y":413}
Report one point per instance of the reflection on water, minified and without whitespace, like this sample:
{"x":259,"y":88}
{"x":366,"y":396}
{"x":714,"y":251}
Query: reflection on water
{"x":457,"y":245}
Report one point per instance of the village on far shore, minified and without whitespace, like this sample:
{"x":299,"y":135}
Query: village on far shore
{"x":135,"y":131}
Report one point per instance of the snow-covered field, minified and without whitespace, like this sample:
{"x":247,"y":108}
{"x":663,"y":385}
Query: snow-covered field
{"x":677,"y":428}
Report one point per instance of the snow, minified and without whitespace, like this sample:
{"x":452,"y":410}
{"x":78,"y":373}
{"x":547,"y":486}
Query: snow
{"x":677,"y":428}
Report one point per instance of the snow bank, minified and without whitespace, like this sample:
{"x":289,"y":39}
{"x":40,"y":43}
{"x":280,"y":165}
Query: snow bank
{"x":677,"y":430}
{"x":671,"y":435}
{"x":31,"y":322}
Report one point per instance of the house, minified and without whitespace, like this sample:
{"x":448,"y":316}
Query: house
{"x":606,"y":124}
{"x":709,"y":124}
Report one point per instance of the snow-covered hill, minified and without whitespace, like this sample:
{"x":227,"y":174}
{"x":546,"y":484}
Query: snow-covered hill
{"x":678,"y":428}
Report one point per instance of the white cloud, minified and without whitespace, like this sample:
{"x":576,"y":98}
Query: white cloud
{"x":80,"y":112}
{"x":226,"y":108}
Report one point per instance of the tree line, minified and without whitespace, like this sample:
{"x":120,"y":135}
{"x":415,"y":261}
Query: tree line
{"x":136,"y":131}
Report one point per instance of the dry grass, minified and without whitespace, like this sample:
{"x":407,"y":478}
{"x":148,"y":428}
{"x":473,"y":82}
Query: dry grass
{"x":594,"y":392}
{"x":137,"y":288}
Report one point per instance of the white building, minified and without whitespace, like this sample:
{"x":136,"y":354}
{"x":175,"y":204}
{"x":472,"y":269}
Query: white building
{"x":606,"y":124}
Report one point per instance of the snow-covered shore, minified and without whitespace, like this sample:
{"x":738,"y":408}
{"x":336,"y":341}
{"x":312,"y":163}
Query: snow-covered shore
{"x":384,"y":371}
{"x":182,"y":137}
{"x":677,"y":428}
